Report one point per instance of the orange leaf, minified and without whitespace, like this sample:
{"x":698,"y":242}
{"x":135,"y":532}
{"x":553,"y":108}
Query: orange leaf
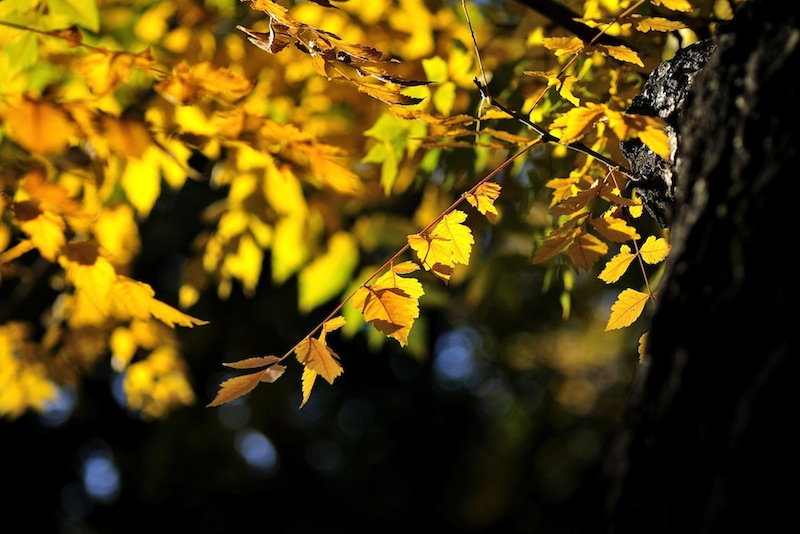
{"x":626,"y":309}
{"x":39,"y":126}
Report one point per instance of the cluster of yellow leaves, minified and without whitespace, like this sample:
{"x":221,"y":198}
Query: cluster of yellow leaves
{"x":24,"y":383}
{"x":390,"y":303}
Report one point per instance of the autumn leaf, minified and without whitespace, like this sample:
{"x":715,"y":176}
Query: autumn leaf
{"x":586,"y":249}
{"x":674,"y":5}
{"x":39,"y":126}
{"x":483,"y":199}
{"x":189,"y":84}
{"x":577,"y":122}
{"x":620,"y":52}
{"x":627,"y":308}
{"x":44,"y":228}
{"x":131,"y":298}
{"x":617,"y":265}
{"x":252,"y":363}
{"x":563,"y":46}
{"x":105,"y":70}
{"x":655,"y":250}
{"x":614,"y":229}
{"x":307,"y":381}
{"x":556,"y":241}
{"x":449,"y":242}
{"x":390,"y":304}
{"x":316,"y":355}
{"x":238,"y":386}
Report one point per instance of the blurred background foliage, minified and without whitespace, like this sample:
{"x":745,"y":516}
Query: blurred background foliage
{"x":494,"y":417}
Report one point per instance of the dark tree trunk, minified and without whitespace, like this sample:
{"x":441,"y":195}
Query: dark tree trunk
{"x":708,"y":442}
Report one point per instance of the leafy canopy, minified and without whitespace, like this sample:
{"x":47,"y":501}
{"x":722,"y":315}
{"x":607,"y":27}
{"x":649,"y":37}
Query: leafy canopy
{"x":315,"y":118}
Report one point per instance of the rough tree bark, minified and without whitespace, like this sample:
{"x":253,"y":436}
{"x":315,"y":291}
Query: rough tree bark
{"x":708,"y":442}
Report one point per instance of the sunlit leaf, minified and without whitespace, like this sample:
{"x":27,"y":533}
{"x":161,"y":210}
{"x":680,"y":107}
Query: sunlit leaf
{"x":316,"y":355}
{"x":655,"y":250}
{"x":390,"y":304}
{"x":627,"y":308}
{"x":617,"y":265}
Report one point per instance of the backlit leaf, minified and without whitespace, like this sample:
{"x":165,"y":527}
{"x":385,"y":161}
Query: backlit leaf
{"x":622,"y":53}
{"x":483,"y":199}
{"x":627,"y":308}
{"x":617,"y":265}
{"x":316,"y":355}
{"x":252,"y":363}
{"x":614,"y":229}
{"x":307,"y":380}
{"x":675,"y":5}
{"x":655,"y":250}
{"x":586,"y":249}
{"x":328,"y":274}
{"x":577,"y":122}
{"x":390,"y":304}
{"x":236,"y":387}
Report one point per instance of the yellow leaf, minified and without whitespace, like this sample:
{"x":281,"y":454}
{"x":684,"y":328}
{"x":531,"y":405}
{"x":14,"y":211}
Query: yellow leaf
{"x":564,"y":45}
{"x":45,"y":228}
{"x":308,"y":379}
{"x":658,"y":24}
{"x":622,"y":53}
{"x":131,"y":298}
{"x":39,"y":126}
{"x":642,"y":346}
{"x":252,"y":363}
{"x":236,"y":387}
{"x":89,"y":272}
{"x":328,"y":274}
{"x":141,"y":181}
{"x":334,"y":324}
{"x":614,"y":229}
{"x":434,"y":253}
{"x":655,"y":250}
{"x":563,"y":188}
{"x":628,"y":307}
{"x":577,"y":122}
{"x":617,"y":265}
{"x":316,"y":355}
{"x":405,"y":267}
{"x":451,"y":227}
{"x":650,"y":130}
{"x":189,"y":84}
{"x":586,"y":249}
{"x":674,"y":5}
{"x":483,"y":199}
{"x":105,"y":70}
{"x":390,"y":304}
{"x":450,"y":242}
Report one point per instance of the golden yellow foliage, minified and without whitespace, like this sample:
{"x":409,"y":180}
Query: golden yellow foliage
{"x":627,"y":308}
{"x":391,"y":303}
